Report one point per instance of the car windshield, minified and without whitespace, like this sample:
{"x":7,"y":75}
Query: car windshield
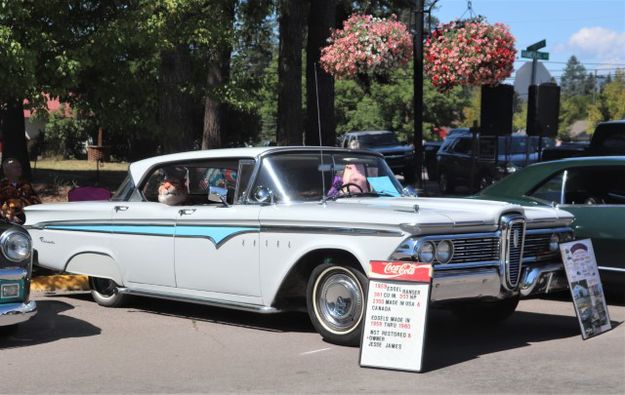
{"x":377,"y":139}
{"x":304,"y":176}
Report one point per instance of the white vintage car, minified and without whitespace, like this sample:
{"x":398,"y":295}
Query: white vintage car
{"x":273,"y":229}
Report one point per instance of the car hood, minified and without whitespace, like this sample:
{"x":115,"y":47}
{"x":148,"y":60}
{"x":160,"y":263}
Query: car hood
{"x":410,"y":215}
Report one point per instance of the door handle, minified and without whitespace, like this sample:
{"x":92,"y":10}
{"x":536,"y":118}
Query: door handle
{"x":121,"y":208}
{"x":186,"y":211}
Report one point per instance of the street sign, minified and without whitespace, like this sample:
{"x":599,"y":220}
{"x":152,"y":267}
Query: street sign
{"x":535,"y":55}
{"x":537,"y":46}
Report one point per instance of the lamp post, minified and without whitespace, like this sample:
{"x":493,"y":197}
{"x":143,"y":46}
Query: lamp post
{"x":417,"y":99}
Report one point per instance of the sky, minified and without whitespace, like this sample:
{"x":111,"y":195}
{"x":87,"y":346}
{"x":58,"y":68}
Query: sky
{"x":592,"y":30}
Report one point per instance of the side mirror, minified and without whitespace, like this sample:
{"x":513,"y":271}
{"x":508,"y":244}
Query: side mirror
{"x":263,"y":195}
{"x":218,"y":195}
{"x":409,"y":191}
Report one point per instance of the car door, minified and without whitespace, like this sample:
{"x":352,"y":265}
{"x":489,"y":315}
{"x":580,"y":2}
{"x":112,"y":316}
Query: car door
{"x":596,"y":196}
{"x":217,"y":245}
{"x":142,"y":240}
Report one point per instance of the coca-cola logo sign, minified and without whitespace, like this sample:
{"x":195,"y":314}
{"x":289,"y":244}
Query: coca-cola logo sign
{"x":406,"y":271}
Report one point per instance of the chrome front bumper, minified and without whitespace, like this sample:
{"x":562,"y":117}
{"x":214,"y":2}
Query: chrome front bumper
{"x":486,"y":282}
{"x":14,"y":313}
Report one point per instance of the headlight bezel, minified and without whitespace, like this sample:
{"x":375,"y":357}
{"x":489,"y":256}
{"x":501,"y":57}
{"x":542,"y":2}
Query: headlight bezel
{"x":5,"y":240}
{"x":450,"y":251}
{"x":418,"y":251}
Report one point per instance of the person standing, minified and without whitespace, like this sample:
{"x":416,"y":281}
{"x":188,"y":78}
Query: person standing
{"x":15,"y":192}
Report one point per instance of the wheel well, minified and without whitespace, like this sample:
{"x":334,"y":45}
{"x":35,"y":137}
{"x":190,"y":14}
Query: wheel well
{"x":292,"y":292}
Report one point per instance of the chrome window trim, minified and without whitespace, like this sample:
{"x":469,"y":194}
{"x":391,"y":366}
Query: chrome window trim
{"x":611,"y":269}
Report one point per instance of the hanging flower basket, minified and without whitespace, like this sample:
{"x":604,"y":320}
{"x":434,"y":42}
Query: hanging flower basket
{"x":367,"y":46}
{"x":468,"y":53}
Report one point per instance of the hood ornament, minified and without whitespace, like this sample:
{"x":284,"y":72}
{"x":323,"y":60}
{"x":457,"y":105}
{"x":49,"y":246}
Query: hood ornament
{"x":416,"y":208}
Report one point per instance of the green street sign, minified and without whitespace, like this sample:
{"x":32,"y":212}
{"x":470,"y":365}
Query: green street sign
{"x":535,"y":55}
{"x":537,"y":46}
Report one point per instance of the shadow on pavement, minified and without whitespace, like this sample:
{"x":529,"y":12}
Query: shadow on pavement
{"x":451,"y":341}
{"x":279,"y":322}
{"x":47,"y":326}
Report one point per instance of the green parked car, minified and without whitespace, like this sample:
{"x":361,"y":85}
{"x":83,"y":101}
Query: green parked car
{"x":592,"y":189}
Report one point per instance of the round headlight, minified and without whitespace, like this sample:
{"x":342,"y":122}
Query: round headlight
{"x":554,"y":242}
{"x":15,"y":245}
{"x":444,"y":251}
{"x":425,"y":252}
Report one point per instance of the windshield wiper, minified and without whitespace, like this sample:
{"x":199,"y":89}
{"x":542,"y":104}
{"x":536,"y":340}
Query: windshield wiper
{"x":357,"y":194}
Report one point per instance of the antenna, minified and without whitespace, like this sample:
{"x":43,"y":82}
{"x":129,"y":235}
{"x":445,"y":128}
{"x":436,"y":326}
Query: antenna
{"x":323,"y":178}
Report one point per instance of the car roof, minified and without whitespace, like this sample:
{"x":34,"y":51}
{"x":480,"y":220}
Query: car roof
{"x":139,"y":168}
{"x":520,"y":182}
{"x":616,"y":121}
{"x":367,"y":132}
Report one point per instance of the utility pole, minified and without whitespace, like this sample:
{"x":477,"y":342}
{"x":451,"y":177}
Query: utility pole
{"x":417,"y":139}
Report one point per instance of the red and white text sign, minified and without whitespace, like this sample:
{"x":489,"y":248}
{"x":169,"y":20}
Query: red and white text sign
{"x":395,"y":318}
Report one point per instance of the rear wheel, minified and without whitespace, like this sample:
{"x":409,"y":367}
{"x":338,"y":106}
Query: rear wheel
{"x":106,"y":292}
{"x":486,"y":312}
{"x":336,"y":298}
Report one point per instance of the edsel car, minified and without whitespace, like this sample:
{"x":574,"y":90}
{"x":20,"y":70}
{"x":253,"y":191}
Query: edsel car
{"x":274,"y":229}
{"x":15,"y":271}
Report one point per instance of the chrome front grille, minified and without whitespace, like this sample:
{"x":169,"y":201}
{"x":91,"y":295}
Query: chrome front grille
{"x":513,"y":238}
{"x":482,"y":249}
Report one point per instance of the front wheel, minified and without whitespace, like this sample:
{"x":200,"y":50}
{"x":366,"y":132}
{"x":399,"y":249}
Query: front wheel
{"x":336,"y":298}
{"x":105,"y":292}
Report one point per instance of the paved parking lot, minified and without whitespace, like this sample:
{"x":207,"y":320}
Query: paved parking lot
{"x":152,"y":346}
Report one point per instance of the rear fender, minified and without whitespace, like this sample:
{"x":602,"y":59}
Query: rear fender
{"x":95,"y":264}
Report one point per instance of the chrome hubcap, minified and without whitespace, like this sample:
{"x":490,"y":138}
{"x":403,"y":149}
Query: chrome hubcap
{"x":339,"y":302}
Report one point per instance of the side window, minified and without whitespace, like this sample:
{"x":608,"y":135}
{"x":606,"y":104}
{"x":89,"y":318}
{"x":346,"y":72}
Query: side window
{"x":551,"y":190}
{"x":595,"y":185}
{"x":463,"y":146}
{"x":188,"y":183}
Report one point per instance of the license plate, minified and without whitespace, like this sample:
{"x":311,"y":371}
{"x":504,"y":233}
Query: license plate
{"x":10,"y":291}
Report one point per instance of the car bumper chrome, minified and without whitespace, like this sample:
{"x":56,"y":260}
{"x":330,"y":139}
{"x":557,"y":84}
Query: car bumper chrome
{"x":485,"y":282}
{"x":14,"y":313}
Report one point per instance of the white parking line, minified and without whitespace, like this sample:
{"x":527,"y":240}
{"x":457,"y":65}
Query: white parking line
{"x":316,"y":351}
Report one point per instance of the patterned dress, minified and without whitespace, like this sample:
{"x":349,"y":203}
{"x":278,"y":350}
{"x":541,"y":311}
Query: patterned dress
{"x":14,"y":197}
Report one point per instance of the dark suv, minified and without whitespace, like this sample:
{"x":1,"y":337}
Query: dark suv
{"x":495,"y":157}
{"x":400,"y":156}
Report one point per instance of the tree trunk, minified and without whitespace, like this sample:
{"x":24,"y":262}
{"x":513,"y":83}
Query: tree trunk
{"x":322,"y":17}
{"x":175,"y":113}
{"x":218,"y":75}
{"x":13,"y":135}
{"x":290,"y":117}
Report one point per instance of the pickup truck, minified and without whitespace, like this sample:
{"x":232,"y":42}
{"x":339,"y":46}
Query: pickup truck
{"x":607,"y":140}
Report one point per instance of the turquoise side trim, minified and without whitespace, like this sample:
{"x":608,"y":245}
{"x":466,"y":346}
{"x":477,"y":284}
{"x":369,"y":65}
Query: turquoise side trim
{"x":217,"y":234}
{"x":159,"y":230}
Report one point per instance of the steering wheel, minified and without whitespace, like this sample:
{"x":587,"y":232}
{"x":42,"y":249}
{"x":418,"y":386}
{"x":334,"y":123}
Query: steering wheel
{"x":350,"y":184}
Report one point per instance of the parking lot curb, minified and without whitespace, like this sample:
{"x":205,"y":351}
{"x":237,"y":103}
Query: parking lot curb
{"x":59,"y":282}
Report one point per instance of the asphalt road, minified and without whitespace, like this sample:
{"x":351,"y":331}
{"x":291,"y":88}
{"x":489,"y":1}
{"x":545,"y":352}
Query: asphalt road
{"x":153,"y":346}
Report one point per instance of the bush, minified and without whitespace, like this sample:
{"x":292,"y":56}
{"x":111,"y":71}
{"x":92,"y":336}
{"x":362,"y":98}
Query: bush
{"x":65,"y":136}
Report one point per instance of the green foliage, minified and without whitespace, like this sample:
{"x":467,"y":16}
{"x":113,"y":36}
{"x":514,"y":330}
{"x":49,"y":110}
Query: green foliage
{"x":389,"y":106}
{"x":65,"y":136}
{"x":575,"y":81}
{"x":611,"y":102}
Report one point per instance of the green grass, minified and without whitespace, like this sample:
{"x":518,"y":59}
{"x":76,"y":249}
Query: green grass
{"x":77,"y":165}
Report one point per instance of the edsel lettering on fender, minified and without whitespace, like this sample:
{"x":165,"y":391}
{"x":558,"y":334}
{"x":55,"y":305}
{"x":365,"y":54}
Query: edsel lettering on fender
{"x":293,"y":228}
